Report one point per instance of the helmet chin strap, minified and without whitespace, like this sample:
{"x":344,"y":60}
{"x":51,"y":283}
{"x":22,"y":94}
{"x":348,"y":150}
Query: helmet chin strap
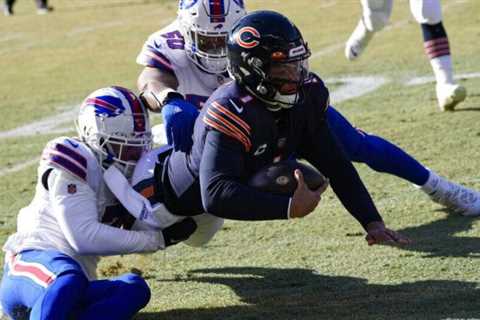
{"x":276,"y":105}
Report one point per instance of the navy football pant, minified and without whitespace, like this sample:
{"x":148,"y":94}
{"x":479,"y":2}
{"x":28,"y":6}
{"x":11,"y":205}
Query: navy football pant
{"x":49,"y":285}
{"x":376,"y":152}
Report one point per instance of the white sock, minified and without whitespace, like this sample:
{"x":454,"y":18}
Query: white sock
{"x":431,"y":184}
{"x":442,"y":69}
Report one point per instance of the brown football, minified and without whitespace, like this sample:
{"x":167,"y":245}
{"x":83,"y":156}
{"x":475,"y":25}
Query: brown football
{"x":278,"y":177}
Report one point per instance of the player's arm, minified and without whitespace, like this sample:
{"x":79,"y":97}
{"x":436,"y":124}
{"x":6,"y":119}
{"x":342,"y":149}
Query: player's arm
{"x":155,"y":85}
{"x":222,"y":183}
{"x":75,"y":207}
{"x":328,"y":156}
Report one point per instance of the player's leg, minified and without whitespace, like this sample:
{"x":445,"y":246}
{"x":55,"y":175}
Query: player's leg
{"x":42,"y":7}
{"x":437,"y":48}
{"x":378,"y":153}
{"x":383,"y":156}
{"x":8,"y":7}
{"x":375,"y":16}
{"x":61,"y":298}
{"x":41,"y":285}
{"x":207,"y":226}
{"x":118,"y":298}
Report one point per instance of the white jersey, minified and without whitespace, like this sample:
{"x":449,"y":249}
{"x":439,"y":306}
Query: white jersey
{"x":165,"y":50}
{"x":65,"y":214}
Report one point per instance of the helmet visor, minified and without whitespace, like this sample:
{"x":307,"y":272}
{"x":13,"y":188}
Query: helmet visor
{"x":127,"y":150}
{"x":287,"y":77}
{"x":210,"y":45}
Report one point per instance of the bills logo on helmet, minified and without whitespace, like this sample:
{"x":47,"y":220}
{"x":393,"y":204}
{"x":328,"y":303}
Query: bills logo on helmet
{"x":186,"y":4}
{"x":106,"y":106}
{"x":239,"y":3}
{"x":248,"y":37}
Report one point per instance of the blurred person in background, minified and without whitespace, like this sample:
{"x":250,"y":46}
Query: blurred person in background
{"x":428,"y":13}
{"x":42,"y":7}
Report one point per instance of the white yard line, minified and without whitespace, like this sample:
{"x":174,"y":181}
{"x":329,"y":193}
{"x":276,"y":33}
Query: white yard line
{"x":353,"y":87}
{"x":44,"y":126}
{"x":10,"y":36}
{"x":18,"y":167}
{"x":429,"y":79}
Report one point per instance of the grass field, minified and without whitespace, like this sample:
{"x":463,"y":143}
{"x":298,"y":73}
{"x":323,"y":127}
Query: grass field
{"x":315,"y":268}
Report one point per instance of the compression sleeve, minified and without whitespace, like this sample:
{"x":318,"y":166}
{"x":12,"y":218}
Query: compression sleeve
{"x":223,"y":187}
{"x":75,"y":208}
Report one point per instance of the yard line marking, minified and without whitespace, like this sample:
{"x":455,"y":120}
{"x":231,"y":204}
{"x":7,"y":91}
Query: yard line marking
{"x":43,"y":126}
{"x":429,"y":79}
{"x":351,"y":87}
{"x":355,"y":87}
{"x":11,"y":36}
{"x":18,"y":167}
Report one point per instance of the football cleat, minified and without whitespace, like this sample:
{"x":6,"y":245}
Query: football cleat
{"x":358,"y":41}
{"x":449,"y":95}
{"x":456,"y":197}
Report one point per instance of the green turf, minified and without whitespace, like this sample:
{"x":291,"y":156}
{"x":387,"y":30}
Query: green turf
{"x":315,"y":268}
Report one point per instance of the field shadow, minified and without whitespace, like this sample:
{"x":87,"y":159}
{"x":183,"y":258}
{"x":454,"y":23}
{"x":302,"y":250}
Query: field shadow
{"x":438,"y":239}
{"x":272,"y":293}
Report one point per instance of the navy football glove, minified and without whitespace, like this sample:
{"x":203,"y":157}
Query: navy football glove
{"x":179,"y":231}
{"x":179,"y":118}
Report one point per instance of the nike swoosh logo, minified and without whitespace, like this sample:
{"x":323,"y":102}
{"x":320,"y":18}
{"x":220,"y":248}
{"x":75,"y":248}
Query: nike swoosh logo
{"x":75,"y":145}
{"x":239,"y":109}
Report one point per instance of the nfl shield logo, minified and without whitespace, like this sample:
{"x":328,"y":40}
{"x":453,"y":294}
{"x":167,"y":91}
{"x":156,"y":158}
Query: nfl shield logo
{"x":72,"y":188}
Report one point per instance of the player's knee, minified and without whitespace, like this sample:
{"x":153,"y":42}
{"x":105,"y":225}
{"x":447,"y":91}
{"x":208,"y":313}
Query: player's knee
{"x":426,"y":12}
{"x":375,"y":21}
{"x":137,"y":288}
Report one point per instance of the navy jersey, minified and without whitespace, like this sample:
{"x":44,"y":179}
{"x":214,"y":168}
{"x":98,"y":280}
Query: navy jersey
{"x":236,"y":135}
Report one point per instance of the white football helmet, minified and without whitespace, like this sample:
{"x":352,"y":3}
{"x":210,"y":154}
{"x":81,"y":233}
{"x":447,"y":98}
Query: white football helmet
{"x":115,"y":125}
{"x":204,"y":25}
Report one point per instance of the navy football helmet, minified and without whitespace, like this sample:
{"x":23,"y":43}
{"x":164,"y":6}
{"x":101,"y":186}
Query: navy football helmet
{"x":268,"y":56}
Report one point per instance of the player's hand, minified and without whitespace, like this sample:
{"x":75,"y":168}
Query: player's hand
{"x":179,"y":231}
{"x":379,"y":234}
{"x":179,"y":118}
{"x":304,"y":200}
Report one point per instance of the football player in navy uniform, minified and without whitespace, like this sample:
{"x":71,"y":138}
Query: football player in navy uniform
{"x":273,"y":110}
{"x":186,"y":61}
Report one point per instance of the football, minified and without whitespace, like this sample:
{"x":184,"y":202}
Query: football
{"x":278,"y":177}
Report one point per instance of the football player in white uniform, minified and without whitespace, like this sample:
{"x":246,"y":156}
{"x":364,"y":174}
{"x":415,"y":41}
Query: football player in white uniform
{"x":185,"y":62}
{"x":428,"y":14}
{"x":51,"y":260}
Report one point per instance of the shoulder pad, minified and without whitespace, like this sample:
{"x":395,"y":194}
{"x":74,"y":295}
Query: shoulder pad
{"x":70,"y":155}
{"x":164,"y":50}
{"x":228,"y":116}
